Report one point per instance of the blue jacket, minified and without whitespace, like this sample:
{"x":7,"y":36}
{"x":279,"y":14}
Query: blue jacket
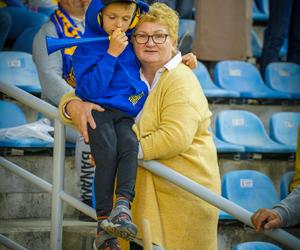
{"x":103,"y":79}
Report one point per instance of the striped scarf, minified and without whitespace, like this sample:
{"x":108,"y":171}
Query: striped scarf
{"x":66,"y":28}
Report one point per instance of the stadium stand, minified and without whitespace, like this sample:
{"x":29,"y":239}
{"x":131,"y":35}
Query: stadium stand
{"x":25,"y":40}
{"x":256,"y":245}
{"x":284,"y":77}
{"x":244,"y":78}
{"x":285,"y":181}
{"x":246,"y":129}
{"x":17,"y":68}
{"x":248,"y":188}
{"x":284,"y":128}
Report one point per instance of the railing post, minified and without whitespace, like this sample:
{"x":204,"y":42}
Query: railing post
{"x":57,"y":187}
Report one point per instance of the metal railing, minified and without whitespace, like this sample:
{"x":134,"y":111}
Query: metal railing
{"x":58,"y":195}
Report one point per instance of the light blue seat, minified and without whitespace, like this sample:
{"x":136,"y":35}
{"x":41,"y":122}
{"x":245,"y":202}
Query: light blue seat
{"x":285,"y":182}
{"x":285,"y":77}
{"x":284,"y":128}
{"x":209,"y":88}
{"x":249,"y":189}
{"x":25,"y":40}
{"x":244,"y":78}
{"x":225,"y":147}
{"x":17,"y":68}
{"x":246,"y":129}
{"x":186,"y":25}
{"x":256,"y":245}
{"x":256,"y":45}
{"x":258,"y":15}
{"x":13,"y":116}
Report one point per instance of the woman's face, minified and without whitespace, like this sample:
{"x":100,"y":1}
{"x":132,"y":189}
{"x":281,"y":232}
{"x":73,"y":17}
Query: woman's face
{"x":150,"y":52}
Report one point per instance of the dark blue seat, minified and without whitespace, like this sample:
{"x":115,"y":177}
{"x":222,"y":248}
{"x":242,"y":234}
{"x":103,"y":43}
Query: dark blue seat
{"x":244,"y":78}
{"x":13,"y":116}
{"x":284,"y":128}
{"x":186,"y":25}
{"x":18,"y":69}
{"x":249,"y":189}
{"x":256,"y":245}
{"x":25,"y":40}
{"x":209,"y":88}
{"x":285,"y":182}
{"x":258,"y":14}
{"x":285,"y":77}
{"x":246,"y":129}
{"x":225,"y":147}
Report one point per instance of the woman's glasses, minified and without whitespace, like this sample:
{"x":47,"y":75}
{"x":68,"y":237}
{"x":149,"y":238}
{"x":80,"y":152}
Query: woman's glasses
{"x":156,"y":38}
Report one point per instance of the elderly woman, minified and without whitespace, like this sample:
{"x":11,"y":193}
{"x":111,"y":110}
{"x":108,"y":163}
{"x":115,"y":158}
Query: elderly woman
{"x":173,"y":128}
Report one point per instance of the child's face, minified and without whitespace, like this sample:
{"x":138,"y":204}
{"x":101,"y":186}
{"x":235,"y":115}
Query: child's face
{"x":117,"y":16}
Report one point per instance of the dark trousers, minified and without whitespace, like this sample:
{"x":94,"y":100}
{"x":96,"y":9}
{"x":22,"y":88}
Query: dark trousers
{"x":5,"y":25}
{"x":284,"y":22}
{"x":114,"y":147}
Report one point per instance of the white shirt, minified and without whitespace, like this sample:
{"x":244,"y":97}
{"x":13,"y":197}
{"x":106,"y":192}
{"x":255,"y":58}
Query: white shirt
{"x":172,"y":64}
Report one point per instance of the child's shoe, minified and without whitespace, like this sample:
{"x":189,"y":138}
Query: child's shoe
{"x":105,"y":241}
{"x":119,"y":224}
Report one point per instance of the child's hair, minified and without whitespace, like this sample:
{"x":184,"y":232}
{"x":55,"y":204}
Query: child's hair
{"x":162,"y":14}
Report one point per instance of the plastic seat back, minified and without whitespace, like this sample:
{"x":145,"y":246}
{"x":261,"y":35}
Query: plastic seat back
{"x":285,"y":182}
{"x":25,"y":40}
{"x":17,"y":68}
{"x":284,"y":127}
{"x":256,"y":245}
{"x":250,"y":189}
{"x":11,"y":115}
{"x":285,"y":77}
{"x":186,"y":25}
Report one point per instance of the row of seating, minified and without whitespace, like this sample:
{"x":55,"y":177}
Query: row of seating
{"x":237,"y":131}
{"x":252,"y":190}
{"x":233,"y":79}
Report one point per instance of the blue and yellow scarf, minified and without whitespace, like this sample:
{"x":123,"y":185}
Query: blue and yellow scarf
{"x":66,"y":28}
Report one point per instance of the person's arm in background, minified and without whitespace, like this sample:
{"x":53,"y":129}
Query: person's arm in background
{"x":296,"y":180}
{"x":49,"y":66}
{"x":286,"y":213}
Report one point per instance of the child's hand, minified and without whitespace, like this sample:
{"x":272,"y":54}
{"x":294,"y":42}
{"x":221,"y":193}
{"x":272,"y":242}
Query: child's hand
{"x":190,"y":60}
{"x":118,"y":43}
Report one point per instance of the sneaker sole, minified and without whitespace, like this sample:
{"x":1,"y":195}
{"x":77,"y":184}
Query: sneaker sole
{"x":127,"y":231}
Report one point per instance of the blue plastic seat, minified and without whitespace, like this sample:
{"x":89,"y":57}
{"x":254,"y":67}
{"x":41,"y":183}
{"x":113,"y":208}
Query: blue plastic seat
{"x":258,"y":14}
{"x":13,"y":116}
{"x":246,"y":129}
{"x":285,"y":182}
{"x":186,"y":25}
{"x":225,"y":147}
{"x":285,"y":77}
{"x":284,"y":128}
{"x":256,"y":245}
{"x":25,"y":40}
{"x":249,"y":189}
{"x":209,"y":88}
{"x":256,"y":45}
{"x":17,"y":68}
{"x":244,"y":78}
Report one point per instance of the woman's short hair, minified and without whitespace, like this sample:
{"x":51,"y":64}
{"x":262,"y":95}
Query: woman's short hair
{"x":164,"y":15}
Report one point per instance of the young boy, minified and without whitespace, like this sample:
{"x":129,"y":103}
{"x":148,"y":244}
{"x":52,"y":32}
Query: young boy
{"x":107,"y":73}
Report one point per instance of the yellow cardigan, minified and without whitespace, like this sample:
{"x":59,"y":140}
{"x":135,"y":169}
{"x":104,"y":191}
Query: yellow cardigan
{"x":296,"y":179}
{"x":174,"y":129}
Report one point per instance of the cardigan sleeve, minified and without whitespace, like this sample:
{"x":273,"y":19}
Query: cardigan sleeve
{"x":179,"y":122}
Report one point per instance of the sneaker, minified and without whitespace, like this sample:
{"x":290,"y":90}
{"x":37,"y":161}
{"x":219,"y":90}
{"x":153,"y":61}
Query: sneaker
{"x":119,"y":224}
{"x":104,"y":241}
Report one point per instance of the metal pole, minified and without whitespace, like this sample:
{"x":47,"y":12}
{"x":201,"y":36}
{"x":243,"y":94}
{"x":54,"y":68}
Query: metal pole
{"x":10,"y":244}
{"x":214,"y":199}
{"x":58,"y":180}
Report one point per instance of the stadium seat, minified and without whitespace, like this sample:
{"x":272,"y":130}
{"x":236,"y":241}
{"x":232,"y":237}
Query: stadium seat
{"x":246,"y":129}
{"x":244,"y":78}
{"x":285,"y":182}
{"x":186,"y":25}
{"x":25,"y":40}
{"x":258,"y":15}
{"x":13,"y":116}
{"x":17,"y":68}
{"x":209,"y":88}
{"x":284,"y":128}
{"x":285,"y":77}
{"x":249,"y":189}
{"x":256,"y":45}
{"x":256,"y":245}
{"x":225,"y":147}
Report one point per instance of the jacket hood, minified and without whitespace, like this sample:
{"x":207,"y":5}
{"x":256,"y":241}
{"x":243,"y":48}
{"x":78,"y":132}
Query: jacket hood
{"x":93,"y":28}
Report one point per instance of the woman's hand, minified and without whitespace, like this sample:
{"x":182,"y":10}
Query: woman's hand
{"x":81,"y":114}
{"x":190,"y":60}
{"x":118,"y":42}
{"x":265,"y":219}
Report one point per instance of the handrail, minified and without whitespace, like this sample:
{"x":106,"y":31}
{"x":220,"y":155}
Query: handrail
{"x":155,"y":167}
